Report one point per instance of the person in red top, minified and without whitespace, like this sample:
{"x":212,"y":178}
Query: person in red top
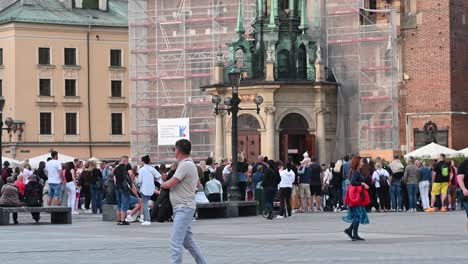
{"x":20,"y":184}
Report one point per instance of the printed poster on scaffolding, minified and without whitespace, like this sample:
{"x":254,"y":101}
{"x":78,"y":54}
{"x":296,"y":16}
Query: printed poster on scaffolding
{"x":172,"y":129}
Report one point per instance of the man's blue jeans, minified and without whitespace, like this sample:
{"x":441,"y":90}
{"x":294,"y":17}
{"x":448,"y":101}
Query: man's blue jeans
{"x":181,"y":237}
{"x":96,"y":199}
{"x":395,"y":193}
{"x":146,"y":213}
{"x":412,"y":190}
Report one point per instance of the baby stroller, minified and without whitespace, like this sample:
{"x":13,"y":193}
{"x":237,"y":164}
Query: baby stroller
{"x":276,"y":206}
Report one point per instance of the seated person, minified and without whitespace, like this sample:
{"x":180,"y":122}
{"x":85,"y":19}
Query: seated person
{"x":10,"y":197}
{"x":214,"y":189}
{"x":33,"y":195}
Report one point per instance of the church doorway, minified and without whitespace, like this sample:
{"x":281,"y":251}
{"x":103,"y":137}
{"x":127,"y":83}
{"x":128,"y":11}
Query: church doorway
{"x":249,"y":137}
{"x":295,"y":138}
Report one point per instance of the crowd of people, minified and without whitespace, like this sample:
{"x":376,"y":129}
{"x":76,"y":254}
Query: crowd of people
{"x":286,"y":188}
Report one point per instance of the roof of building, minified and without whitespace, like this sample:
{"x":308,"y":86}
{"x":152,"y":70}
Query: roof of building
{"x":54,"y":12}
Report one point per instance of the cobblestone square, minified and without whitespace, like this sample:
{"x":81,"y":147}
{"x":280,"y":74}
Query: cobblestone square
{"x":306,"y":238}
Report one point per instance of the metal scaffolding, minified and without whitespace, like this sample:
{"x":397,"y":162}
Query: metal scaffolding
{"x":173,"y":47}
{"x":362,"y":53}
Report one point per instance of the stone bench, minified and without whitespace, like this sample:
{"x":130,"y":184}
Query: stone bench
{"x":109,"y":212}
{"x":226,"y":209}
{"x":58,"y":214}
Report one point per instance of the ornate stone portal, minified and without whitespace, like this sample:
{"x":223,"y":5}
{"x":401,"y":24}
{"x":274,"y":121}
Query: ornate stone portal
{"x":299,"y":111}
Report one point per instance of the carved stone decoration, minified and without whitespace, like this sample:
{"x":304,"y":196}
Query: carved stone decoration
{"x":430,"y":132}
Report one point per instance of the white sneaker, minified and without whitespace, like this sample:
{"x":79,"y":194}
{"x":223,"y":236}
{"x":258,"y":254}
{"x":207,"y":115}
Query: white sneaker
{"x":142,"y":220}
{"x":129,"y":218}
{"x":146,"y":223}
{"x":74,"y":213}
{"x":280,"y":217}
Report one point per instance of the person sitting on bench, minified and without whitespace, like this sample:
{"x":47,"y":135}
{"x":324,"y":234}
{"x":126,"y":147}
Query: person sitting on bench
{"x":214,"y":189}
{"x":33,"y":196}
{"x":10,"y":197}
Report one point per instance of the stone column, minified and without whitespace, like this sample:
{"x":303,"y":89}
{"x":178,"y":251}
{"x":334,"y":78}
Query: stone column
{"x":269,"y":141}
{"x":320,"y":137}
{"x":219,"y":136}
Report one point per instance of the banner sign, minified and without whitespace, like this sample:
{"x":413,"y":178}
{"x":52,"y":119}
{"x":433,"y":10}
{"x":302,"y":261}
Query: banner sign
{"x":172,"y":129}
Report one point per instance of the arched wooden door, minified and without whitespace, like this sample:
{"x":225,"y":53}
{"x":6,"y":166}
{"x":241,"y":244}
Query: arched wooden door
{"x":295,"y":138}
{"x":249,"y":137}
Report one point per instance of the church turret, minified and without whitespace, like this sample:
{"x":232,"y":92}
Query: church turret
{"x":282,"y":49}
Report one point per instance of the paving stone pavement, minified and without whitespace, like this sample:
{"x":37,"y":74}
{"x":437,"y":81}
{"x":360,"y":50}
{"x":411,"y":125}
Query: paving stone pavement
{"x":306,"y":238}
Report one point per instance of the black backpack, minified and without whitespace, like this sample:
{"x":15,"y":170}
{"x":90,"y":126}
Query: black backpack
{"x":383,"y":180}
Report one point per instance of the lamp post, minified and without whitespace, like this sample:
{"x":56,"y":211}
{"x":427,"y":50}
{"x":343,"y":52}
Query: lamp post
{"x":8,"y":123}
{"x":232,"y":107}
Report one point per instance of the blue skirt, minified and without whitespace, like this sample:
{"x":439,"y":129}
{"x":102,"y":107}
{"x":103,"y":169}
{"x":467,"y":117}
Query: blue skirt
{"x":356,"y":214}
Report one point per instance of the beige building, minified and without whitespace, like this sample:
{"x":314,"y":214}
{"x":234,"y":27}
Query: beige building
{"x":64,"y":77}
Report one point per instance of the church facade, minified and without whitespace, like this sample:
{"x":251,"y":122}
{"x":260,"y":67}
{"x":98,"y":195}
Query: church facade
{"x":284,"y":66}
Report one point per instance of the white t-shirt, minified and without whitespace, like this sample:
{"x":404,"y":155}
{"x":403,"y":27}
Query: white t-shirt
{"x":26,"y":174}
{"x":146,"y":177}
{"x":376,"y":176}
{"x":54,"y":169}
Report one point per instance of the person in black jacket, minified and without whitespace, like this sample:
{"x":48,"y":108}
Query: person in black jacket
{"x":33,"y":196}
{"x":162,"y":209}
{"x":96,"y":188}
{"x":271,"y":179}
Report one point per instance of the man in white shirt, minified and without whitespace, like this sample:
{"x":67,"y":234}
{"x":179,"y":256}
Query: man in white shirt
{"x":146,"y":177}
{"x":214,"y":190}
{"x":183,"y":186}
{"x":54,"y":173}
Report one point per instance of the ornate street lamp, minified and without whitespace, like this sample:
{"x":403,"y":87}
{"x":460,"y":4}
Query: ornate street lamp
{"x":232,"y":107}
{"x":8,"y":123}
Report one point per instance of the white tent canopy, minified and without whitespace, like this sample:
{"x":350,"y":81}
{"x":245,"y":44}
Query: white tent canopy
{"x":464,"y":152}
{"x":34,"y":162}
{"x":13,"y":162}
{"x":432,"y":151}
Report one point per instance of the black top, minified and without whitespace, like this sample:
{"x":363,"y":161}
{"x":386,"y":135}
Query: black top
{"x":315,"y":176}
{"x":270,"y":179}
{"x":95,"y":175}
{"x":438,"y":171}
{"x":68,"y":176}
{"x":119,"y":174}
{"x":463,"y":169}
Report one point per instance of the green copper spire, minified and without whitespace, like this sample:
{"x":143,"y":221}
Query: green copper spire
{"x":240,"y":20}
{"x":260,"y":11}
{"x":303,"y":26}
{"x":273,"y":14}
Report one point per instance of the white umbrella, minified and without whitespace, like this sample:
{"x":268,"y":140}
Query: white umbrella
{"x":464,"y":152}
{"x":34,"y":162}
{"x":431,"y":151}
{"x":13,"y":162}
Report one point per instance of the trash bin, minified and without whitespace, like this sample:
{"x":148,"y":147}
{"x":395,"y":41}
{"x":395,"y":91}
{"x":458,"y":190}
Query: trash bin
{"x":259,"y":197}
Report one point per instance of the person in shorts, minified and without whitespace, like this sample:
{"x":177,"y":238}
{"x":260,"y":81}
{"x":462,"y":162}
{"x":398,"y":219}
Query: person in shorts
{"x":316,"y":180}
{"x":54,"y":173}
{"x":463,"y":183}
{"x":441,"y":178}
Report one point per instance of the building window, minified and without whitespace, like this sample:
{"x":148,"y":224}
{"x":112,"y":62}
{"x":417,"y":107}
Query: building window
{"x":70,"y":87}
{"x":70,"y":56}
{"x":44,"y":56}
{"x":116,"y":58}
{"x":44,"y":87}
{"x":116,"y":88}
{"x":45,"y":123}
{"x":117,"y":126}
{"x":1,"y":56}
{"x":71,"y":127}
